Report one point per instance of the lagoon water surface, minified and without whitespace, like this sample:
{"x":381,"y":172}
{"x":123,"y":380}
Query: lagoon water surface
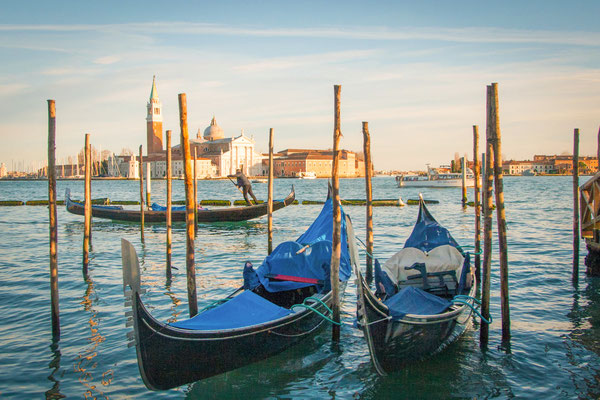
{"x":553,"y":353}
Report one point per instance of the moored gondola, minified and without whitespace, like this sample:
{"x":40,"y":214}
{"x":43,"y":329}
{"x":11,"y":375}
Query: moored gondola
{"x":423,"y":299}
{"x":224,"y":214}
{"x":277,"y":307}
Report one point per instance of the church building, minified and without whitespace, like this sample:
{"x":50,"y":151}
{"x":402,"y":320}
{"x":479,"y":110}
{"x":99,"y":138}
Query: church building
{"x":217,"y":155}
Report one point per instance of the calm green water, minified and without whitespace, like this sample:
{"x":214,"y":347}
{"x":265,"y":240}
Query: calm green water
{"x":554,"y":351}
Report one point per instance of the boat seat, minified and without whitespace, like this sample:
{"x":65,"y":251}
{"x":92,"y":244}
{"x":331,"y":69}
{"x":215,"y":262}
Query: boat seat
{"x":245,"y":309}
{"x":438,"y":271}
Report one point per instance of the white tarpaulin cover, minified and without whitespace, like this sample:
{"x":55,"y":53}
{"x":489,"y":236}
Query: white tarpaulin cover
{"x":441,"y":258}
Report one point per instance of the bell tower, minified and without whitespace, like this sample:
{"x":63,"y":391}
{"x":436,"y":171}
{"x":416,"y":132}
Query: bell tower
{"x":154,"y":121}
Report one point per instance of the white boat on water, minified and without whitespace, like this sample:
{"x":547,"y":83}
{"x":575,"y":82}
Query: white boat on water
{"x":435,"y":178}
{"x":307,"y":175}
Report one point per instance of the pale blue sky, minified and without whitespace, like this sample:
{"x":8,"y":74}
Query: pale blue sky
{"x":416,"y":72}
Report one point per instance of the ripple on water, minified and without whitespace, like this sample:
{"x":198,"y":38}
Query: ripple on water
{"x":555,"y":326}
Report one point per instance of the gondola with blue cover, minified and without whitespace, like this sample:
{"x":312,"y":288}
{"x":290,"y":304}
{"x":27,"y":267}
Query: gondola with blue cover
{"x":159,"y":214}
{"x":423,"y":297}
{"x":257,"y":321}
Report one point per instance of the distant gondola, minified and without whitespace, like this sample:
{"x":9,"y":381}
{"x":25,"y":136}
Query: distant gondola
{"x":117,"y":213}
{"x":423,"y":299}
{"x":275,"y":309}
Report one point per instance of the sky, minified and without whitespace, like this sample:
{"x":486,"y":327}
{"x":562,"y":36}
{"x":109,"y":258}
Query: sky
{"x":415,"y":71}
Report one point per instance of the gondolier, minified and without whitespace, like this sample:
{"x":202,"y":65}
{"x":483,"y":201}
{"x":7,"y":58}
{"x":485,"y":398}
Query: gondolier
{"x":245,"y":185}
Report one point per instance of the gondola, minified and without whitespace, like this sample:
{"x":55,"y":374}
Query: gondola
{"x":423,"y":299}
{"x":276,"y":308}
{"x":118,"y":213}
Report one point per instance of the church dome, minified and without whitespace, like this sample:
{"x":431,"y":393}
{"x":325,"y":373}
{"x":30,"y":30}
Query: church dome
{"x":213,"y":131}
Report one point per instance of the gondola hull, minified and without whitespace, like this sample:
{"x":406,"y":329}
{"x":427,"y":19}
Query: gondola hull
{"x":169,"y":357}
{"x":231,"y":214}
{"x":395,"y":343}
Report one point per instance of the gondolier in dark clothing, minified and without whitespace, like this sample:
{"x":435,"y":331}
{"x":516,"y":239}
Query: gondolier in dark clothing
{"x":244,"y":183}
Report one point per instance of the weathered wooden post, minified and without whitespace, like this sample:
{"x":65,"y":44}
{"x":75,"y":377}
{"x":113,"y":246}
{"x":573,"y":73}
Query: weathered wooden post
{"x":87,"y":219}
{"x":575,"y":206}
{"x":477,"y":202}
{"x":369,"y":190}
{"x":463,"y":167}
{"x":189,"y":203}
{"x":270,"y":196}
{"x":169,"y":201}
{"x":53,"y":220}
{"x":487,"y":228}
{"x":148,"y":184}
{"x":195,"y":192}
{"x":337,"y":220}
{"x":501,"y":216}
{"x":141,"y":171}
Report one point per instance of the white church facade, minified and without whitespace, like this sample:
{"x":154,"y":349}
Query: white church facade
{"x":217,"y":155}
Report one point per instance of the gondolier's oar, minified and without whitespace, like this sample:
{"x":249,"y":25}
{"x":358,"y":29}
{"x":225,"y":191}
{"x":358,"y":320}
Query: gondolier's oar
{"x":236,"y":185}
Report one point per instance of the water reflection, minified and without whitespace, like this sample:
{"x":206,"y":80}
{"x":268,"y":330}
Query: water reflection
{"x":585,"y":317}
{"x":85,"y":363}
{"x":54,"y":392}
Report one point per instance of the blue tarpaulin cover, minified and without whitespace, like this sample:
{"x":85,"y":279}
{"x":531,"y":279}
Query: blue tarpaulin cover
{"x":245,"y":309}
{"x":412,"y":300}
{"x":428,"y":233}
{"x":158,"y":207}
{"x":314,"y":262}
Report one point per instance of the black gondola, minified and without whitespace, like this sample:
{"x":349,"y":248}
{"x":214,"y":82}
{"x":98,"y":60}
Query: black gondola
{"x":224,"y":214}
{"x":255,"y":322}
{"x":423,"y":299}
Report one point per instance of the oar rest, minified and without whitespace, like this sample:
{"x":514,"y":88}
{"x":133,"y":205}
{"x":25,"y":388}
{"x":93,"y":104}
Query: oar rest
{"x":437,"y":271}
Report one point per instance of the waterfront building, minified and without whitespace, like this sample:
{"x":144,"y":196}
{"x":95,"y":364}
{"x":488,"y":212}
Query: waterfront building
{"x":296,"y":162}
{"x":3,"y":171}
{"x":551,"y":164}
{"x":225,"y":153}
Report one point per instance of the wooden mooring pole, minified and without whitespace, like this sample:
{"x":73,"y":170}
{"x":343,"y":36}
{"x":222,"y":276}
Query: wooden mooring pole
{"x":463,"y":166}
{"x":576,"y":206}
{"x":87,"y":218}
{"x":141,"y":170}
{"x":477,"y":202}
{"x":195,"y":192}
{"x":270,"y":197}
{"x":189,"y":203}
{"x":487,"y":229}
{"x":369,"y":190}
{"x":501,"y":216}
{"x":53,"y":220}
{"x":337,"y":220}
{"x":148,"y":184}
{"x":169,"y":201}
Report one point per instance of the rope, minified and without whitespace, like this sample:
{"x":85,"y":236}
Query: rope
{"x":463,"y":299}
{"x":365,"y":248}
{"x":311,"y":308}
{"x":326,"y":318}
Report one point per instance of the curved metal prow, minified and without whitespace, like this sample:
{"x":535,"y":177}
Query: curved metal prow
{"x":131,"y":267}
{"x":329,"y":190}
{"x":67,"y":195}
